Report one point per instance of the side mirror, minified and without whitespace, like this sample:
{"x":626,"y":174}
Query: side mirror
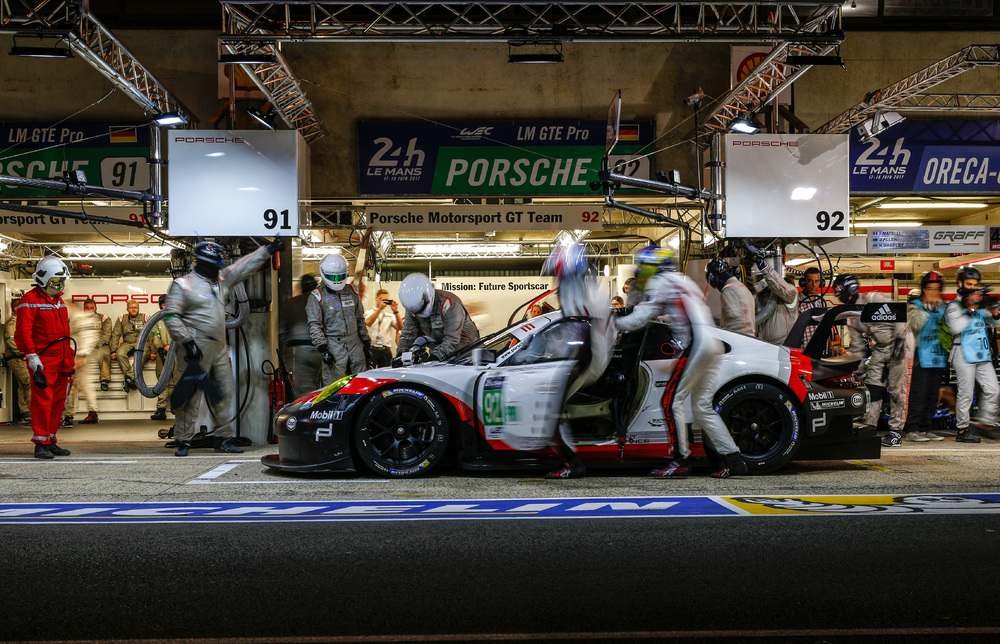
{"x":483,"y":357}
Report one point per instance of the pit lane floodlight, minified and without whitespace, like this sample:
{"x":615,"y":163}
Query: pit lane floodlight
{"x":879,"y":123}
{"x":168,"y":119}
{"x":266,"y":119}
{"x":247,"y":59}
{"x":550,"y":53}
{"x":40,"y":51}
{"x":743,"y":125}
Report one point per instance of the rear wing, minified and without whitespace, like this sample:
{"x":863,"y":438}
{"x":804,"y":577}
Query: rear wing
{"x":824,"y":321}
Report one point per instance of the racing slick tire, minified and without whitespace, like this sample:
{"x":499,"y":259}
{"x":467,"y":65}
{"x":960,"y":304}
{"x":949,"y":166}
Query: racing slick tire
{"x":763,"y":421}
{"x":401,"y":433}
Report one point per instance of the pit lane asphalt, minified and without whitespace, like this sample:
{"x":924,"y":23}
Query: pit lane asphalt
{"x":148,"y":472}
{"x":401,"y":581}
{"x":404,"y":580}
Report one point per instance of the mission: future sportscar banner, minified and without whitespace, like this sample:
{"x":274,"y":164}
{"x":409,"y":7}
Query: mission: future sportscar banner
{"x":492,"y":158}
{"x":928,"y":156}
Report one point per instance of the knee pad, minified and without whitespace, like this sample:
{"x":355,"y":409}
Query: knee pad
{"x":876,"y":392}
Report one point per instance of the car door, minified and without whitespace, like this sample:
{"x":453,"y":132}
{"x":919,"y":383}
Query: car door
{"x":521,"y":399}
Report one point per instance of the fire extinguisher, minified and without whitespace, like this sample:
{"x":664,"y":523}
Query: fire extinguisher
{"x":277,"y":396}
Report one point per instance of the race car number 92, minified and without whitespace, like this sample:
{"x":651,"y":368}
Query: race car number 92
{"x":493,"y":407}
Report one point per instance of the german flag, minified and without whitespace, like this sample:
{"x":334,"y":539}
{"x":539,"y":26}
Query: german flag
{"x":628,"y":132}
{"x":123,"y":135}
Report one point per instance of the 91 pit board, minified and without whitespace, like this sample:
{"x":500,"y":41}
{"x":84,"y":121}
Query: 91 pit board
{"x":787,"y":185}
{"x":234,"y":183}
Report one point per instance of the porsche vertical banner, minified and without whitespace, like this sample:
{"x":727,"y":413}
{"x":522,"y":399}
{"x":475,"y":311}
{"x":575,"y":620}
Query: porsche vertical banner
{"x":496,"y":158}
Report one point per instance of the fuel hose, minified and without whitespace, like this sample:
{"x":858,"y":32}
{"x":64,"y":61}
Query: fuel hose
{"x":140,"y":352}
{"x":242,"y":310}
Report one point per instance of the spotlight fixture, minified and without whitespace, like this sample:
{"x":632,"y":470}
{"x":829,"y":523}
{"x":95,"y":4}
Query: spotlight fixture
{"x":266,"y":119}
{"x":879,"y":123}
{"x":166,"y":119}
{"x":743,"y":125}
{"x":247,"y":59}
{"x":40,"y":51}
{"x":542,"y":54}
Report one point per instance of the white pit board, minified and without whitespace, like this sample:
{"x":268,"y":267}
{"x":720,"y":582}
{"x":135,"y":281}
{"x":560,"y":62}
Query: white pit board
{"x":787,"y":185}
{"x":233,"y":183}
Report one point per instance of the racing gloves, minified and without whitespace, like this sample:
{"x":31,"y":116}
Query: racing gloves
{"x":276,"y":245}
{"x":37,"y":372}
{"x":327,"y":356}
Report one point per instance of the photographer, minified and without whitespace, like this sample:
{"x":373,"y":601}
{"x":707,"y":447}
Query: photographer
{"x":971,"y":357}
{"x":384,"y":323}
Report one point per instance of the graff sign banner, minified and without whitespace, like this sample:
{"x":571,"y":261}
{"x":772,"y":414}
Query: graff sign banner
{"x":928,"y":156}
{"x":110,"y":156}
{"x":928,"y":239}
{"x":455,"y":158}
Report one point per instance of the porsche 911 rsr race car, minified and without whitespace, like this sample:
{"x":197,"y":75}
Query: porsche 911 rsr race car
{"x":508,"y":389}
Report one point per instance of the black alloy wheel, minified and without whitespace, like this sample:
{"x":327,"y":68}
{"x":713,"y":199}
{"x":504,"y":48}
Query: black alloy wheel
{"x":401,"y":433}
{"x":763,"y":422}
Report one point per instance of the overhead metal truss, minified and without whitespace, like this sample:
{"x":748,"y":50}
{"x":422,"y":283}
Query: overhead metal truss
{"x":772,"y":77}
{"x":275,"y":80}
{"x":914,"y":86}
{"x":951,"y":103}
{"x":508,"y":20}
{"x":94,"y":43}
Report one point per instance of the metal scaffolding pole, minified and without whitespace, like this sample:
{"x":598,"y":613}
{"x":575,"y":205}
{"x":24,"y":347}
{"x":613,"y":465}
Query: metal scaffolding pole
{"x":909,"y":89}
{"x":93,"y":42}
{"x":507,"y":20}
{"x":773,"y":76}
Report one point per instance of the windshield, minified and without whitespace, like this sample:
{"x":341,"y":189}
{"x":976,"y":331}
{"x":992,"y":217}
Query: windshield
{"x":498,"y":342}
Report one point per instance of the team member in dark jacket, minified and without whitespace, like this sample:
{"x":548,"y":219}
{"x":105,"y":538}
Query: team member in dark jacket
{"x":303,"y":362}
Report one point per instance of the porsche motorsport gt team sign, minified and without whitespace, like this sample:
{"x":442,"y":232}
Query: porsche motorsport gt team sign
{"x":485,"y":218}
{"x":498,"y":158}
{"x":787,"y":185}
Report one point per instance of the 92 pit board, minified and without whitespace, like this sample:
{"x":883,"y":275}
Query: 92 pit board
{"x":787,"y":185}
{"x":234,"y":183}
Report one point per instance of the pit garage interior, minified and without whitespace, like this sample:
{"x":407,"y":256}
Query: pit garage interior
{"x":375,"y":90}
{"x":469,"y":141}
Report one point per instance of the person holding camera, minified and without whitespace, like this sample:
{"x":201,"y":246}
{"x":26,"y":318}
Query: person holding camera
{"x":971,"y":356}
{"x":384,"y":323}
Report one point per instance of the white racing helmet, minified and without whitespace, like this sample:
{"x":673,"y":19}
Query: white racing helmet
{"x":416,"y":294}
{"x":50,"y":268}
{"x":333,"y":268}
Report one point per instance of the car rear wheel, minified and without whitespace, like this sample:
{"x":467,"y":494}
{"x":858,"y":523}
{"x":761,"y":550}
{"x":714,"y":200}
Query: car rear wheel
{"x":401,"y":433}
{"x":764,"y":423}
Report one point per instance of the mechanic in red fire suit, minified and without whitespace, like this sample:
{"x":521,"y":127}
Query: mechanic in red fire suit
{"x":43,"y":337}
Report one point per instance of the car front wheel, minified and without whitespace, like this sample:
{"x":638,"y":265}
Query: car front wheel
{"x":401,"y":433}
{"x":764,"y":423}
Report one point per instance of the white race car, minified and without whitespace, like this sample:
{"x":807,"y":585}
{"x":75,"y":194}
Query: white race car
{"x":494,"y":405}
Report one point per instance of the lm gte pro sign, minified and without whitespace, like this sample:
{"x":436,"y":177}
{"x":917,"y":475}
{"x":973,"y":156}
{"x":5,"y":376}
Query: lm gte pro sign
{"x":787,"y":185}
